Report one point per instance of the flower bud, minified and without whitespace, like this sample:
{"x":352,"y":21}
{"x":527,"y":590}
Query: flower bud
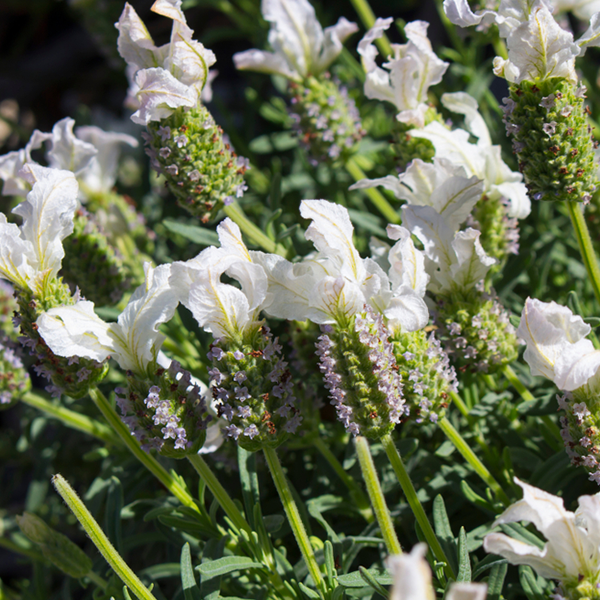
{"x":326,"y":119}
{"x":499,"y":232}
{"x":55,"y":546}
{"x":91,"y":264}
{"x":201,"y":169}
{"x":71,"y":376}
{"x":167,"y":413}
{"x":253,"y":389}
{"x":476,"y":331}
{"x":552,"y":140}
{"x":14,"y":378}
{"x":426,"y":374}
{"x":581,"y":430}
{"x":361,"y":374}
{"x":406,"y":147}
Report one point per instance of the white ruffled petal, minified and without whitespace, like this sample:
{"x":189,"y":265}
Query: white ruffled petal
{"x":101,"y":174}
{"x":389,"y":182}
{"x":464,"y":104}
{"x":472,"y":261}
{"x":159,"y":94}
{"x":135,"y":44}
{"x":335,"y":298}
{"x":407,"y":312}
{"x":66,"y":151}
{"x":520,"y":553}
{"x":407,"y":264}
{"x":551,"y":330}
{"x":411,"y":575}
{"x":76,"y":331}
{"x":16,"y":255}
{"x":48,"y":214}
{"x":136,"y":331}
{"x":295,"y":32}
{"x":592,"y":35}
{"x":331,"y":233}
{"x":540,"y":48}
{"x":333,"y":39}
{"x":264,"y":62}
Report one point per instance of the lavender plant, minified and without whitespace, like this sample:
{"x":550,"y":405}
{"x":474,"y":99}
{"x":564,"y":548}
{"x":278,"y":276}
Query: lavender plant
{"x":290,"y":386}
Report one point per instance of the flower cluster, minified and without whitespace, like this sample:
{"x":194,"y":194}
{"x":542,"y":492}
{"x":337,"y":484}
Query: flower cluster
{"x":360,"y":372}
{"x":324,"y":117}
{"x":166,"y":412}
{"x":571,"y":554}
{"x":252,"y":387}
{"x":426,"y":373}
{"x":200,"y":167}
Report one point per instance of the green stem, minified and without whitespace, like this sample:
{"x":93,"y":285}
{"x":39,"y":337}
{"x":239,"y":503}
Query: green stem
{"x":367,"y":17}
{"x":461,"y":445}
{"x":264,"y":554}
{"x":218,"y":491}
{"x":381,"y":204}
{"x":362,"y":502}
{"x":415,"y":504}
{"x":236,"y":214}
{"x":108,"y":551}
{"x":294,"y":519}
{"x":382,"y":512}
{"x":550,"y":425}
{"x":134,"y":447}
{"x":585,"y":246}
{"x":72,"y":419}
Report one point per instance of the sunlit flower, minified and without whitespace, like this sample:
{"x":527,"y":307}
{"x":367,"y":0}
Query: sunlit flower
{"x":572,"y":550}
{"x":407,"y":75}
{"x":133,"y":341}
{"x":300,"y":45}
{"x":169,"y":76}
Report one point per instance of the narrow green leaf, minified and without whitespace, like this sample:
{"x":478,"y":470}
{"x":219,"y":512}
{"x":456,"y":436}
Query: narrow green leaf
{"x":443,"y":530}
{"x":496,"y":580}
{"x":227,"y":564}
{"x":198,"y":235}
{"x":249,"y":482}
{"x":188,"y":578}
{"x":490,"y":561}
{"x":517,"y":531}
{"x":529,"y":583}
{"x":329,"y":562}
{"x":126,"y":595}
{"x":475,"y":498}
{"x":308,"y":591}
{"x":356,"y":580}
{"x":464,"y":562}
{"x":372,"y":582}
{"x":112,"y":517}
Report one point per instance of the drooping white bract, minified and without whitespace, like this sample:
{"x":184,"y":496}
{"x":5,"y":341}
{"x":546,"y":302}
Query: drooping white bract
{"x":483,"y":159}
{"x":412,"y":579}
{"x":582,"y":9}
{"x":133,"y":341}
{"x":12,"y":163}
{"x":572,"y":550}
{"x":455,"y":259}
{"x":300,"y":45}
{"x":221,"y":308}
{"x":336,"y":283}
{"x":556,"y":344}
{"x":32,"y":253}
{"x":90,"y":153}
{"x":441,"y":185}
{"x":538,"y":48}
{"x":169,"y":76}
{"x":407,"y":75}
